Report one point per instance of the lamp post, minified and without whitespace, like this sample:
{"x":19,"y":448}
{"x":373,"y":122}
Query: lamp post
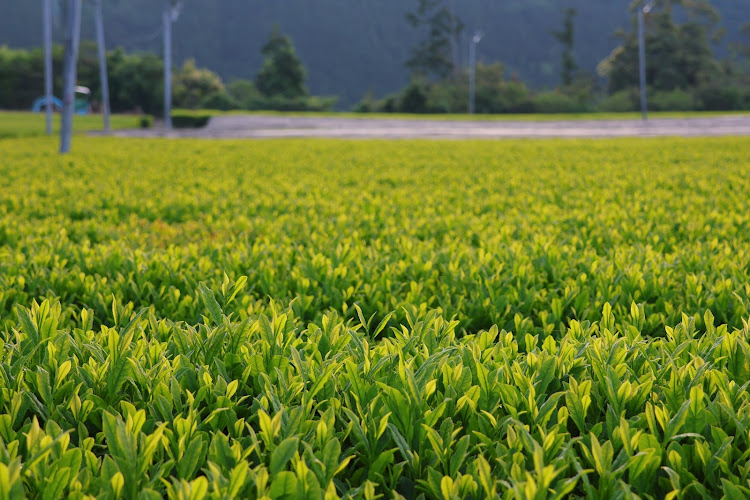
{"x":473,"y":69}
{"x":102,"y":63}
{"x":47,"y":21}
{"x":642,"y":11}
{"x":171,"y":13}
{"x":72,"y":38}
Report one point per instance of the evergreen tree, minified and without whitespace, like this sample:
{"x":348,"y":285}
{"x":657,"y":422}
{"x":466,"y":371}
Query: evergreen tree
{"x":679,"y":55}
{"x":567,"y":38}
{"x":435,"y":54}
{"x":282,"y":74}
{"x":743,"y":47}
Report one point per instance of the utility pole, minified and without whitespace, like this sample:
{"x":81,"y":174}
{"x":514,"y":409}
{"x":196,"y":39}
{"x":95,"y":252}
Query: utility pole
{"x":171,"y":13}
{"x":454,"y":40}
{"x":642,"y":11}
{"x":47,"y":21}
{"x":102,"y":63}
{"x":473,"y":70}
{"x":72,"y":38}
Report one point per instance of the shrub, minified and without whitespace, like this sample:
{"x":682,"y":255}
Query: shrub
{"x":414,"y":98}
{"x":448,"y":98}
{"x":244,"y":92}
{"x":221,"y":101}
{"x":390,"y":104}
{"x":619,"y":102}
{"x":278,"y":103}
{"x":190,"y":120}
{"x":557,"y":102}
{"x":368,"y":104}
{"x":192,"y":85}
{"x":676,"y":100}
{"x":718,"y":97}
{"x":146,"y":121}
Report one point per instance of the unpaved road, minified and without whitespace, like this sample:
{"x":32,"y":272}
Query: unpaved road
{"x":253,"y":126}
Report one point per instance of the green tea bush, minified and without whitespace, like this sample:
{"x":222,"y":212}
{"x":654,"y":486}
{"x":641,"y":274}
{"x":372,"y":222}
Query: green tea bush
{"x":354,"y":319}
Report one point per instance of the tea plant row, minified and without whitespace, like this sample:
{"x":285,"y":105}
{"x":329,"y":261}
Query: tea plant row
{"x":332,"y":319}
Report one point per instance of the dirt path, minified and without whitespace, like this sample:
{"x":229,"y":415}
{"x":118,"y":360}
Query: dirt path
{"x":253,"y":126}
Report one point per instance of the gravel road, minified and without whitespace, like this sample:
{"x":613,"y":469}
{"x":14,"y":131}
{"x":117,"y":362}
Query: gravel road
{"x":253,"y":126}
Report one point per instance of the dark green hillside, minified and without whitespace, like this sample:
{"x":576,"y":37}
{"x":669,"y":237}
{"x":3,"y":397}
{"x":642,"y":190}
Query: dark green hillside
{"x":350,"y":46}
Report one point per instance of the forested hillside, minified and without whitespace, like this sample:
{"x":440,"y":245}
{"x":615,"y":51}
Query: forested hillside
{"x":350,"y":47}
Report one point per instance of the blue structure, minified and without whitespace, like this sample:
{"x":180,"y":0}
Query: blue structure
{"x":41,"y":103}
{"x":82,"y":103}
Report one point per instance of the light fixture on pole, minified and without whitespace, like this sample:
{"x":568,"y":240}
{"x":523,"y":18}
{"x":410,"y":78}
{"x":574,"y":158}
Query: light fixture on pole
{"x":642,"y":11}
{"x":473,"y":69}
{"x":171,"y":13}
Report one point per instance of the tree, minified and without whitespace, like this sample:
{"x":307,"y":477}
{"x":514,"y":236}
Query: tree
{"x":679,"y":56}
{"x":567,"y":38}
{"x":414,"y":98}
{"x":244,"y":92}
{"x":136,"y":82}
{"x":282,"y":74}
{"x":743,"y":46}
{"x":192,"y":85}
{"x":435,"y":54}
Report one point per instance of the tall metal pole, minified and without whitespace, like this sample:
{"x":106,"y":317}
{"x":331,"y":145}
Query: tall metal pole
{"x":168,"y":67}
{"x":454,"y":40}
{"x":47,"y":20}
{"x":642,"y":11}
{"x":472,"y":75}
{"x":72,"y":38}
{"x":473,"y":70}
{"x":102,"y":63}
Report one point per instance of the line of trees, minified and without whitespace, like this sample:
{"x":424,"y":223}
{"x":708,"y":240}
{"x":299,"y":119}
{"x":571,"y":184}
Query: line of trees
{"x":136,"y":81}
{"x":683,"y":72}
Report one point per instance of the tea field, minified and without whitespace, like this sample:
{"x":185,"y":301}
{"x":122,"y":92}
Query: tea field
{"x":304,"y":319}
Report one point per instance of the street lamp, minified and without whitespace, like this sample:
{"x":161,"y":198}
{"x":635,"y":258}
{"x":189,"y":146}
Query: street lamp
{"x":171,"y":13}
{"x":642,"y":11}
{"x":47,"y":22}
{"x":102,"y":50}
{"x":72,"y":39}
{"x":473,"y":69}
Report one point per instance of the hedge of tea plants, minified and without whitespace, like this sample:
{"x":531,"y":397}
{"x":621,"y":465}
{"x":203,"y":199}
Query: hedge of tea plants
{"x":365,"y":319}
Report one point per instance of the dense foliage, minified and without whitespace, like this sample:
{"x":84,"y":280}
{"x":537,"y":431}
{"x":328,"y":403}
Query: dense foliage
{"x":299,"y":319}
{"x":137,"y":82}
{"x":495,"y":94}
{"x":437,"y":53}
{"x":352,"y":47}
{"x":683,"y":72}
{"x":282,"y":73}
